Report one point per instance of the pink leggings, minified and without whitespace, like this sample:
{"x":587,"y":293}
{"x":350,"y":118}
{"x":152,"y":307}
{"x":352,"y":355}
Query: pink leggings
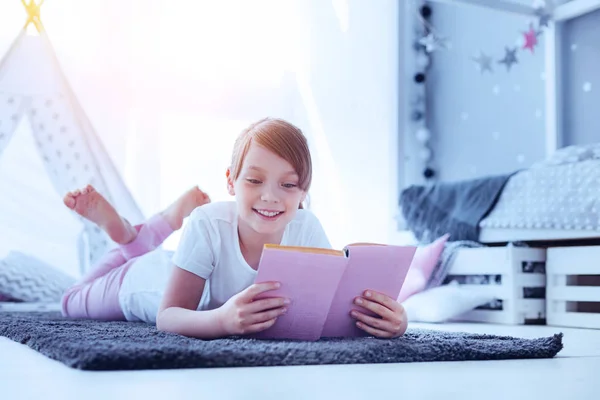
{"x":96,"y":295}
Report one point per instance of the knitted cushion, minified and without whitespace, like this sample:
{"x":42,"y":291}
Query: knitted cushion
{"x":23,"y":277}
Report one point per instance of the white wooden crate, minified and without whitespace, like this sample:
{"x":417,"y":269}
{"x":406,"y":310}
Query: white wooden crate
{"x":509,"y":264}
{"x":573,"y":286}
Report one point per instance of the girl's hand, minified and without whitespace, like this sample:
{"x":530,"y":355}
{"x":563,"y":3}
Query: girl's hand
{"x":392,"y":322}
{"x":242,"y":315}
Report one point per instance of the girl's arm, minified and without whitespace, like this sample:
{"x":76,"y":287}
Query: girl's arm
{"x":178,"y":314}
{"x":240,"y":315}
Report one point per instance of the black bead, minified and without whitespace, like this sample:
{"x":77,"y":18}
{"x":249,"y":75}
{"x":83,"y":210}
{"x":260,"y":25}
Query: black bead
{"x":428,"y":173}
{"x":426,"y":11}
{"x":417,"y":115}
{"x":420,"y":77}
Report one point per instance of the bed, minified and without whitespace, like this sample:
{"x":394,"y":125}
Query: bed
{"x":537,"y":222}
{"x":550,"y":212}
{"x":556,"y":199}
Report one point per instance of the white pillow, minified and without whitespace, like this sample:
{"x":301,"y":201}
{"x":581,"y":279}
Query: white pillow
{"x":445,"y":302}
{"x":25,"y":278}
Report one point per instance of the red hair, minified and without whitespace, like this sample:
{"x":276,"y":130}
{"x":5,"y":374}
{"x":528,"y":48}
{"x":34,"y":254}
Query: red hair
{"x":280,"y":137}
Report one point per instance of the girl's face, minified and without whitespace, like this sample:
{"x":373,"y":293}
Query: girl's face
{"x":266,"y":191}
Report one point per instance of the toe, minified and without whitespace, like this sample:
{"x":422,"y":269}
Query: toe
{"x":69,"y":200}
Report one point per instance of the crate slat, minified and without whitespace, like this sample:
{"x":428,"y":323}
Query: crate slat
{"x":564,"y":300}
{"x":581,"y":260}
{"x":574,"y":319}
{"x":573,"y":293}
{"x":532,"y":305}
{"x":507,"y":262}
{"x":481,"y":261}
{"x":530,"y":280}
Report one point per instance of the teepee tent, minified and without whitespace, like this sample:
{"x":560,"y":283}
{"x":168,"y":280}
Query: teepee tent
{"x":48,"y":147}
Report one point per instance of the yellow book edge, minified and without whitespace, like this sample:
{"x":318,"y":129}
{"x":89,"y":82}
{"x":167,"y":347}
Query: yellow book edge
{"x":312,"y":250}
{"x":317,"y":250}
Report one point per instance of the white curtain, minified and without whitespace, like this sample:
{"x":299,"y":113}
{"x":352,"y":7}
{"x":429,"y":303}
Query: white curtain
{"x":166,"y":85}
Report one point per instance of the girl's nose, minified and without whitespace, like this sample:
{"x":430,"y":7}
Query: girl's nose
{"x":268,"y":194}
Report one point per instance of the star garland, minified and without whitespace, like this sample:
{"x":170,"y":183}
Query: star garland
{"x":432,"y":40}
{"x":428,"y":42}
{"x":530,"y":41}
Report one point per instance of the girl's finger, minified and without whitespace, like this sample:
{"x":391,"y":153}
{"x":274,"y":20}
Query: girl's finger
{"x":382,"y":299}
{"x":254,"y":290}
{"x":266,"y":304}
{"x":266,"y":316}
{"x":373,"y":331}
{"x":260,"y":326}
{"x":381,"y":324}
{"x":377,"y":308}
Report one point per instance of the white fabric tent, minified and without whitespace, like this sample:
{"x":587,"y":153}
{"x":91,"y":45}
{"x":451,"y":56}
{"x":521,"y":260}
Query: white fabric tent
{"x":48,"y":147}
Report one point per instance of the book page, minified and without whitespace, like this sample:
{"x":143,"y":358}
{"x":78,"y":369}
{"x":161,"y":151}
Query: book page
{"x":310,"y":281}
{"x":379,"y":268}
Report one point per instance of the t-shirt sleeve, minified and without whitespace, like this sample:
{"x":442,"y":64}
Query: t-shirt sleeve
{"x":195,"y":250}
{"x":316,"y":236}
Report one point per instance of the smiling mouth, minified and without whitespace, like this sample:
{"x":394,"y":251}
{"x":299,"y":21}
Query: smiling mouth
{"x":268,"y":214}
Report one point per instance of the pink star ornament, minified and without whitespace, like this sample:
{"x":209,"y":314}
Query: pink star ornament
{"x":530,"y":39}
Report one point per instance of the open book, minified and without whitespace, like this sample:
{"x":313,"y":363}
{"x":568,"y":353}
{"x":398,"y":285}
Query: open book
{"x":323,"y":283}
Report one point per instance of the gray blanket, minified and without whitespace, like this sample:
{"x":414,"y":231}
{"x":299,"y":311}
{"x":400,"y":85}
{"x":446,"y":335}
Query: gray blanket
{"x":450,"y":207}
{"x":94,"y":345}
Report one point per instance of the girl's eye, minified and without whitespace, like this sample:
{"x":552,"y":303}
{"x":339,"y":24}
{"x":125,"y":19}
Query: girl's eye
{"x":289,"y":185}
{"x":254,"y":181}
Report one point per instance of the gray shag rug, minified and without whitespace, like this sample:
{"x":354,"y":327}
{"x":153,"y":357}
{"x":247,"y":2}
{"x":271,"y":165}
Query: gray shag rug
{"x":96,"y":345}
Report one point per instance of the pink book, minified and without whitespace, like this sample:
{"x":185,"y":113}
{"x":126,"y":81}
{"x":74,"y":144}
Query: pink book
{"x":322,"y":285}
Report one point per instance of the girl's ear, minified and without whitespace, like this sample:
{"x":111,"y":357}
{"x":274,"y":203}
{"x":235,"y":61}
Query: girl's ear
{"x":230,"y":188}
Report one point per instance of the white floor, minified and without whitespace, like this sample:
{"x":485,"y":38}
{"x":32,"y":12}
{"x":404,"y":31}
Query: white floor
{"x":574,"y":373}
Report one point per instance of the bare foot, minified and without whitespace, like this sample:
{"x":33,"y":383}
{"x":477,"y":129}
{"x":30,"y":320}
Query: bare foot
{"x":184,"y":205}
{"x":91,"y":205}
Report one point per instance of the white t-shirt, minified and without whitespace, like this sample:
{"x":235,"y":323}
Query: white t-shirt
{"x":209,"y":248}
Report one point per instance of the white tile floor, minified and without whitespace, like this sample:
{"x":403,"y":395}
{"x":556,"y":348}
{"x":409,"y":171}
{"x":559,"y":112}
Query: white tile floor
{"x":574,"y":374}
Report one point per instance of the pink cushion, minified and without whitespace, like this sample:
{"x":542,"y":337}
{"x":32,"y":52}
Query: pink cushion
{"x":422,"y":266}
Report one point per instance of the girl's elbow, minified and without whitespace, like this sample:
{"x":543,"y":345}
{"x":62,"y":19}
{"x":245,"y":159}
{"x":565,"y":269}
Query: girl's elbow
{"x":161,"y":323}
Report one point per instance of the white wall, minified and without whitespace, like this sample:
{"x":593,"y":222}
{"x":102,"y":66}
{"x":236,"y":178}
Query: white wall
{"x":353,"y":79}
{"x":341,"y":87}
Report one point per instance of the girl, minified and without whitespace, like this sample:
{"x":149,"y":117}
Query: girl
{"x":206,"y":290}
